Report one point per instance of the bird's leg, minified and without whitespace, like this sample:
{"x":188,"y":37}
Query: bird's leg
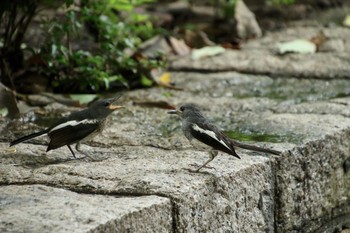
{"x":77,"y":147}
{"x":213,"y":154}
{"x":72,"y":151}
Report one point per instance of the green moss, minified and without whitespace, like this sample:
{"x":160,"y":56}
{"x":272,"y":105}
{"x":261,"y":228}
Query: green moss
{"x":262,"y":137}
{"x":296,"y":90}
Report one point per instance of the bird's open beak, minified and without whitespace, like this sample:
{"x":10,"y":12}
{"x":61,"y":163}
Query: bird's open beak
{"x":175,"y":111}
{"x":115,"y":107}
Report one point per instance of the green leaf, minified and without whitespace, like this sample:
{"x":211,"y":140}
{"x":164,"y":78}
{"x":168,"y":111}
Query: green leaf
{"x":346,"y":21}
{"x":83,"y":98}
{"x":122,"y":5}
{"x":146,"y":81}
{"x":106,"y":81}
{"x":3,"y":112}
{"x":140,"y":17}
{"x":68,"y":2}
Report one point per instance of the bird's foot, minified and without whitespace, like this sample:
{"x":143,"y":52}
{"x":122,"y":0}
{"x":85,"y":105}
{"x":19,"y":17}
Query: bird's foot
{"x":86,"y":156}
{"x":200,"y":167}
{"x":89,"y":158}
{"x":75,"y":158}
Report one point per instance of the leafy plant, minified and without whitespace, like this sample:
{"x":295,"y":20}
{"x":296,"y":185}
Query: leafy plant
{"x":97,"y":68}
{"x":228,"y":8}
{"x":280,"y":2}
{"x":109,"y":59}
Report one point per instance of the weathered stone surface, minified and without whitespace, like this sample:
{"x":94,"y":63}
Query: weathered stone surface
{"x":212,"y":200}
{"x":39,"y":208}
{"x":312,"y":184}
{"x":260,"y":56}
{"x":143,"y":153}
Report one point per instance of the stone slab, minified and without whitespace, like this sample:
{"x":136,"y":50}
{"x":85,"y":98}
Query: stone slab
{"x":143,"y":152}
{"x":214,"y":199}
{"x":39,"y":208}
{"x":260,"y":56}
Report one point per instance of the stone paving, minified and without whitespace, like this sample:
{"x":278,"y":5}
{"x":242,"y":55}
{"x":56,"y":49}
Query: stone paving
{"x":140,"y":182}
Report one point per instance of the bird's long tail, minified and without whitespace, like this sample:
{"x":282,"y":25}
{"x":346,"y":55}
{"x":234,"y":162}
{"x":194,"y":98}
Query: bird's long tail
{"x":30,"y":136}
{"x":255,"y":148}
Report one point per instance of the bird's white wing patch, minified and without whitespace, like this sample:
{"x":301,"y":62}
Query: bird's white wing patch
{"x":74,"y":123}
{"x":210,"y":133}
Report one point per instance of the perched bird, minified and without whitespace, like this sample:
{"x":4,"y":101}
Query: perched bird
{"x":196,"y":126}
{"x":77,"y":127}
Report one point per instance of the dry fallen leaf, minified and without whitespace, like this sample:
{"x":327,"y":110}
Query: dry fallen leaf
{"x":208,"y":51}
{"x":154,"y":46}
{"x":163,"y":79}
{"x":154,"y":104}
{"x":179,"y":47}
{"x":164,"y":45}
{"x":302,"y":45}
{"x":11,"y":150}
{"x":196,"y":38}
{"x":297,"y":46}
{"x":346,"y":21}
{"x":319,"y":39}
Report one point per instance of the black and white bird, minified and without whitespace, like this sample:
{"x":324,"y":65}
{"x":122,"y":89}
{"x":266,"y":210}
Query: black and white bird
{"x":196,"y":127}
{"x":77,"y":127}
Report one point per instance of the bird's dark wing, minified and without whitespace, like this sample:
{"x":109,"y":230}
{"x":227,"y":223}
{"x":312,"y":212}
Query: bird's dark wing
{"x":71,"y":132}
{"x":210,"y":135}
{"x":73,"y":116}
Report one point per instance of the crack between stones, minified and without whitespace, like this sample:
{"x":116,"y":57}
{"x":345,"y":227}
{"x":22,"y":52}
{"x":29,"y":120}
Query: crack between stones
{"x":276,"y":75}
{"x":174,"y":206}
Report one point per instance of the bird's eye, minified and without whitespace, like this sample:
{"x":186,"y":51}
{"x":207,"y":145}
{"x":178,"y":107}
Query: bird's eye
{"x":182,"y":108}
{"x":106,"y":104}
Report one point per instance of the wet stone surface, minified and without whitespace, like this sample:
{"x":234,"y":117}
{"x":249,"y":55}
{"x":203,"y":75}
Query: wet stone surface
{"x":142,"y":152}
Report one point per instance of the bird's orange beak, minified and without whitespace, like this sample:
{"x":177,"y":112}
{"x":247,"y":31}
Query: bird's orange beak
{"x":115,"y":107}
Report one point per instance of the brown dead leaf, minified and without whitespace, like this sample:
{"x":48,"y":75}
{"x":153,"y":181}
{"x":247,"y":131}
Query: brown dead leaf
{"x":163,"y":79}
{"x":36,"y":60}
{"x":153,"y":46}
{"x":319,"y":39}
{"x":165,"y":45}
{"x":196,"y":38}
{"x":154,"y":104}
{"x":179,"y":47}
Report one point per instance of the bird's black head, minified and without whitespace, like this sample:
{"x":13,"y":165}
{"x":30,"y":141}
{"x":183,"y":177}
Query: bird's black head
{"x":105,"y":106}
{"x":187,"y":110}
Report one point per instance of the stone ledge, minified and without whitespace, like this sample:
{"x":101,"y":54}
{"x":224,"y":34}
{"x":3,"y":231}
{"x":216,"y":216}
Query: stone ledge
{"x":312,"y":185}
{"x":142,"y":153}
{"x":221,"y":199}
{"x":39,"y":208}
